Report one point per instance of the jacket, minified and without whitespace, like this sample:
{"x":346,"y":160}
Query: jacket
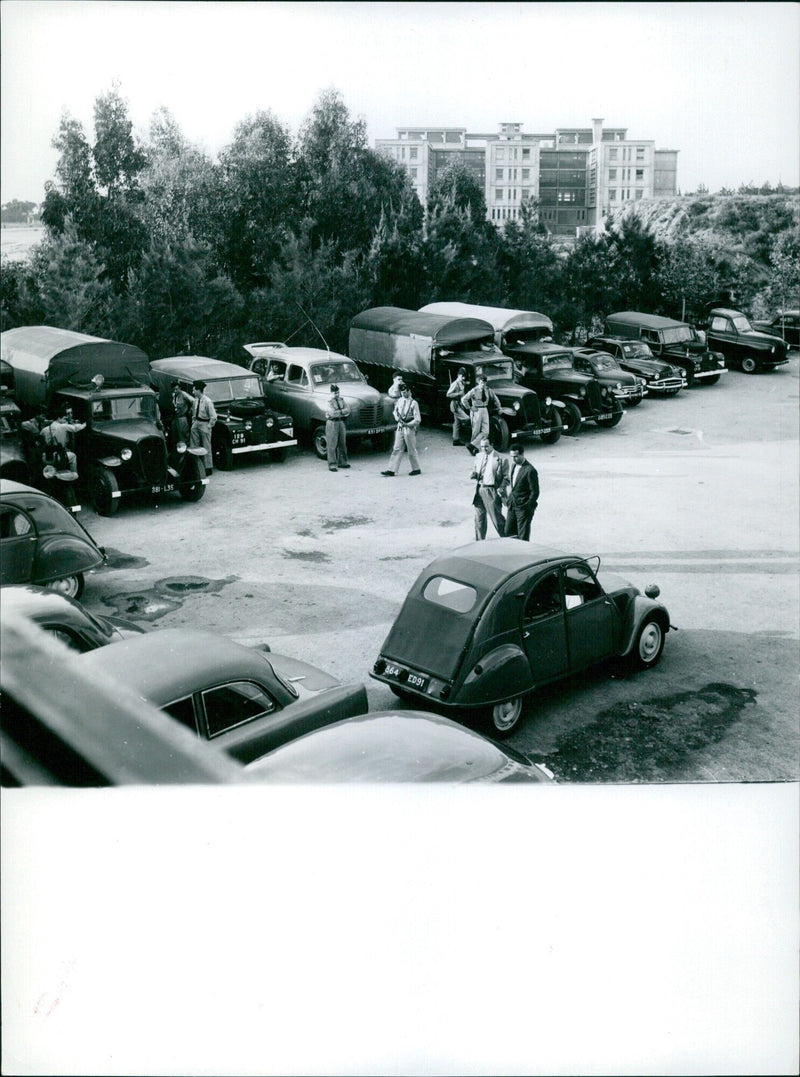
{"x":525,"y":491}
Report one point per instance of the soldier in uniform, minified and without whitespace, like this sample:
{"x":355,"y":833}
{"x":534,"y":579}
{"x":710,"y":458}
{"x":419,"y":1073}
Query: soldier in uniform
{"x":407,"y":417}
{"x":204,"y":415}
{"x":336,"y":430}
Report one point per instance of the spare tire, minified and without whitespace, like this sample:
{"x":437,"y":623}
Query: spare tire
{"x":246,"y":409}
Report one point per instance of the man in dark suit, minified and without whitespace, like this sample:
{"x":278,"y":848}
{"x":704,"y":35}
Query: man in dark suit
{"x":522,"y":495}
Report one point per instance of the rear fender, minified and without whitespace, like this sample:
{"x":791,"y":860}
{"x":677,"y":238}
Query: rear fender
{"x":64,"y":555}
{"x":500,"y":674}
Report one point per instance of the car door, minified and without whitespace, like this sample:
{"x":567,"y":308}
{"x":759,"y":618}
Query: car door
{"x":544,"y":630}
{"x":18,"y":541}
{"x":722,"y":335}
{"x":591,"y":617}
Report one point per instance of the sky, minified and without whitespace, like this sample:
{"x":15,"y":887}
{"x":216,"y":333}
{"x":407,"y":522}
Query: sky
{"x":718,"y":82}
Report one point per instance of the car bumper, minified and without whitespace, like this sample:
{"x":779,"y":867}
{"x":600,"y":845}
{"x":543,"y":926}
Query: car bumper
{"x":265,"y":446}
{"x":413,"y":681}
{"x":712,"y":373}
{"x":666,"y":385}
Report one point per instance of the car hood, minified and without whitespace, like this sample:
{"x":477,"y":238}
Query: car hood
{"x":127,"y":431}
{"x":301,"y":675}
{"x":650,"y":368}
{"x":756,"y":336}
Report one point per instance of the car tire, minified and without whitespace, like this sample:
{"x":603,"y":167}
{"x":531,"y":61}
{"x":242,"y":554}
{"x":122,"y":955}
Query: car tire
{"x":320,"y":442}
{"x":278,"y":456}
{"x":649,"y":644}
{"x":571,"y":419}
{"x":712,"y":380}
{"x":499,"y":434}
{"x":556,"y":432}
{"x":103,"y":486}
{"x":195,"y":488}
{"x":71,"y":586}
{"x":749,"y":364}
{"x":503,"y":719}
{"x":609,"y":420}
{"x":222,"y":453}
{"x":634,"y":403}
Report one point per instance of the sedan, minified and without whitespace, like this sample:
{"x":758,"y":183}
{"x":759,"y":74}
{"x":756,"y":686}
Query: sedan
{"x":41,"y":542}
{"x":66,"y":619}
{"x":785,"y":325}
{"x":660,"y":378}
{"x":396,"y":746}
{"x":244,"y":700}
{"x":605,"y":369}
{"x":484,"y":626}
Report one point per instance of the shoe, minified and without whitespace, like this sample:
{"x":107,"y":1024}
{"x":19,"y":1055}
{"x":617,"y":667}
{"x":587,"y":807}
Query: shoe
{"x":344,"y":465}
{"x":472,"y":450}
{"x":417,"y":472}
{"x":209,"y":471}
{"x":331,"y":468}
{"x":388,"y":473}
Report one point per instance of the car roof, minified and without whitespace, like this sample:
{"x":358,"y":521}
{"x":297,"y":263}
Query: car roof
{"x":297,"y":355}
{"x":40,"y":602}
{"x":487,"y":563}
{"x":650,"y":321}
{"x":171,"y":663}
{"x":10,"y":486}
{"x":383,"y":746}
{"x":199,"y":368}
{"x":728,"y":312}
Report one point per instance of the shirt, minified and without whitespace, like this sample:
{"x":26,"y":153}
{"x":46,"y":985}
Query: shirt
{"x":204,"y":410}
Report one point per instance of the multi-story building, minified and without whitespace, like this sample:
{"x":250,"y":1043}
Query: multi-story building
{"x":577,"y":174}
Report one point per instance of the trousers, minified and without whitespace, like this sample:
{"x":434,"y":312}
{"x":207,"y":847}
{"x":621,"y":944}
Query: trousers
{"x":336,"y":440}
{"x":488,"y":505}
{"x":405,"y":440}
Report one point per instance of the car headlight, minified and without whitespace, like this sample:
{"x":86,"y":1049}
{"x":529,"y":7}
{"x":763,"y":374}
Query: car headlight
{"x":180,"y":447}
{"x":126,"y":454}
{"x":516,"y":405}
{"x":49,"y":471}
{"x":248,"y":425}
{"x":270,"y":422}
{"x":582,"y":391}
{"x":548,"y":401}
{"x":619,"y":384}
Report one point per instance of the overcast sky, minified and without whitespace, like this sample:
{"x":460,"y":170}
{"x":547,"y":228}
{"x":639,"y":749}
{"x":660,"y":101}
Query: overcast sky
{"x":718,"y":82}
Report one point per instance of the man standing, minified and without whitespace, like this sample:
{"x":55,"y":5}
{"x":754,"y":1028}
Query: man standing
{"x":336,"y":430}
{"x":522,"y":495}
{"x":480,"y":401}
{"x":182,"y":405}
{"x":491,"y":475}
{"x":455,"y":392}
{"x":204,"y":415}
{"x":407,"y":417}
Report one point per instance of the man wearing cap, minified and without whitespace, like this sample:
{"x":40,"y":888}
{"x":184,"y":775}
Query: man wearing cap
{"x":336,"y":430}
{"x":491,"y":475}
{"x":455,"y":392}
{"x":204,"y":415}
{"x":480,"y":401}
{"x":407,"y":417}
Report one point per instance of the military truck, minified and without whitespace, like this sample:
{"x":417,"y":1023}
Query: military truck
{"x":539,"y":364}
{"x":105,"y":385}
{"x":428,"y":349}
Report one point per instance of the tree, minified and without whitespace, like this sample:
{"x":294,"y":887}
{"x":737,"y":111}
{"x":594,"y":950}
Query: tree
{"x":689,"y":278}
{"x":19,"y":296}
{"x":16,"y":212}
{"x":71,"y":289}
{"x":530,"y":266}
{"x":395,"y":261}
{"x":117,"y":159}
{"x":457,"y":186}
{"x":75,"y":195}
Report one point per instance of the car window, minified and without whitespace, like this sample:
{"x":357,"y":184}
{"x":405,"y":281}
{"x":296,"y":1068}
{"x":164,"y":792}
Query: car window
{"x":650,"y":335}
{"x":544,"y":599}
{"x":580,"y":585}
{"x":14,"y":523}
{"x":719,"y":325}
{"x":297,"y":376}
{"x":183,"y":711}
{"x":452,"y":594}
{"x":233,"y":704}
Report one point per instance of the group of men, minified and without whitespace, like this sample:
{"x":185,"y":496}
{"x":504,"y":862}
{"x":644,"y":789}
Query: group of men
{"x":193,"y":419}
{"x":500,"y":482}
{"x":474,"y":408}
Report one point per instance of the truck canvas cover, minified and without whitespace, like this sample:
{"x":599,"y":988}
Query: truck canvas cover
{"x":406,"y":339}
{"x":45,"y":359}
{"x":501,"y":319}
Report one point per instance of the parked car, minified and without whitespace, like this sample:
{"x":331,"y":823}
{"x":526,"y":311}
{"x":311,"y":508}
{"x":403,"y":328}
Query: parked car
{"x":66,"y":619}
{"x":484,"y":626}
{"x":13,"y":463}
{"x":41,"y":542}
{"x":244,"y":423}
{"x":678,"y":343}
{"x":605,"y":369}
{"x":396,"y":746}
{"x":785,"y":325}
{"x":60,"y":727}
{"x":660,"y":378}
{"x":298,"y":381}
{"x":244,"y":700}
{"x":731,"y":333}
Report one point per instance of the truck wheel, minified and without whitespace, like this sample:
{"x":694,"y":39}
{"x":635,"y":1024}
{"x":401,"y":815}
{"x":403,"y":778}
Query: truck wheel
{"x":612,"y":418}
{"x":503,"y":719}
{"x":499,"y":434}
{"x":749,"y":365}
{"x":555,"y":433}
{"x":320,"y":442}
{"x":195,"y":471}
{"x":571,"y":419}
{"x":222,"y":453}
{"x":71,"y":586}
{"x":102,"y":487}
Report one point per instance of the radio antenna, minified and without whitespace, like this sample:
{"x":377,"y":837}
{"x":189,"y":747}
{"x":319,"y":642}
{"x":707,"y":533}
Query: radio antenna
{"x":310,"y":320}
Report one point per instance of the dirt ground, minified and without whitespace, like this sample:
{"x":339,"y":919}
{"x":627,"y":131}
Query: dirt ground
{"x":698,"y":493}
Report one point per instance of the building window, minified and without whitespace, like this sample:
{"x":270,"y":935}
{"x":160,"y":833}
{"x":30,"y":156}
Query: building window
{"x":612,"y":173}
{"x":640,"y":153}
{"x":526,"y":174}
{"x":412,"y":152}
{"x":526,"y":195}
{"x":498,"y":194}
{"x":639,"y":175}
{"x":500,"y":154}
{"x":413,"y":173}
{"x":612,"y":155}
{"x":612,"y":195}
{"x":526,"y":154}
{"x":639,"y":193}
{"x":498,"y":174}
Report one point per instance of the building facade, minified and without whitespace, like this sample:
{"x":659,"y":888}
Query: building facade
{"x":577,"y":174}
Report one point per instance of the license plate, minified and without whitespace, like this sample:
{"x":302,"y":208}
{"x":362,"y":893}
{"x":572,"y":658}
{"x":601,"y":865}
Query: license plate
{"x":413,"y":680}
{"x":371,"y":431}
{"x":165,"y":489}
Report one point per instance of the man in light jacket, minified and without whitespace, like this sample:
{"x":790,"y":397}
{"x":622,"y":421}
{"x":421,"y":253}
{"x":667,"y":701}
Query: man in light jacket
{"x":491,"y":475}
{"x":407,"y":417}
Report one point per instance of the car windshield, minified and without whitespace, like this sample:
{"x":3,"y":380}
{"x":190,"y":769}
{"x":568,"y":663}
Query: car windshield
{"x":335,"y":371}
{"x":681,"y":334}
{"x":529,"y":336}
{"x":110,"y":409}
{"x":498,"y":371}
{"x":603,"y":362}
{"x":637,"y":351}
{"x":742,"y":324}
{"x":557,"y":362}
{"x":234,"y":389}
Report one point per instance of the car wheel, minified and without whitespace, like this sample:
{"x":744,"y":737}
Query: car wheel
{"x":556,"y":432}
{"x":749,"y":364}
{"x":320,"y":442}
{"x":222,"y":453}
{"x":634,"y":403}
{"x":71,"y":586}
{"x":499,"y":435}
{"x":279,"y":455}
{"x":612,"y":418}
{"x":103,"y":486}
{"x":571,"y":420}
{"x":649,"y":645}
{"x":713,"y":379}
{"x":194,"y":489}
{"x":503,"y":719}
